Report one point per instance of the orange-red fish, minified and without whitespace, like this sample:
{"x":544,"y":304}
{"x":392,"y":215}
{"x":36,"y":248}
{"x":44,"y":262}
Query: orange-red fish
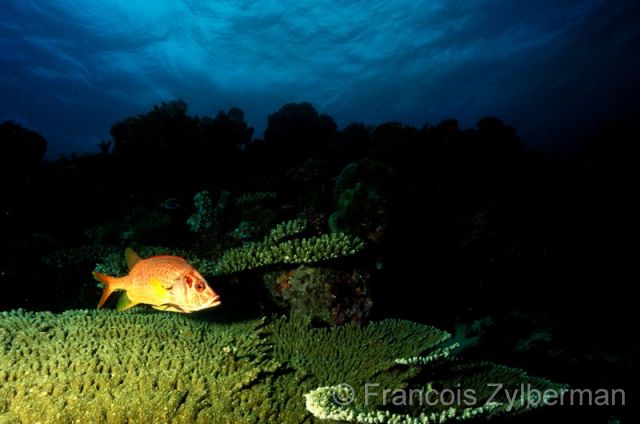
{"x":167,"y":283}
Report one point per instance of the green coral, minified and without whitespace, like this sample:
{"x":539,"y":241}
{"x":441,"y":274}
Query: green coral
{"x":321,"y":402}
{"x":480,"y":378}
{"x":296,"y":251}
{"x":248,"y":229}
{"x":138,"y":367}
{"x":90,"y":366}
{"x":352,"y":353}
{"x":286,"y":229}
{"x":255,"y":197}
{"x":389,"y":354}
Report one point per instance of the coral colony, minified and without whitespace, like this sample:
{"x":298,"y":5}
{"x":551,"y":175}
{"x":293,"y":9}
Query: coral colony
{"x":91,"y":366}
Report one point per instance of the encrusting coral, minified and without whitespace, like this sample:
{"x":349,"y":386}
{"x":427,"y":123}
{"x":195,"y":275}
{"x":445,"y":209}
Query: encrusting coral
{"x":145,"y":367}
{"x":331,"y":295}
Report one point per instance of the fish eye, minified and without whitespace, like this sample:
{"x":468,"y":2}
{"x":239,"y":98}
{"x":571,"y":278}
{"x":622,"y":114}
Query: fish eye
{"x":199,"y":286}
{"x":188,"y":280}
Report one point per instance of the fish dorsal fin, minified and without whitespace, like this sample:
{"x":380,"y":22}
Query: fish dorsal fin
{"x":131,"y":257}
{"x":125,"y":303}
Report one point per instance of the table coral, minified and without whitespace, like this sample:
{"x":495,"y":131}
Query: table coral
{"x":90,"y":366}
{"x":147,"y":367}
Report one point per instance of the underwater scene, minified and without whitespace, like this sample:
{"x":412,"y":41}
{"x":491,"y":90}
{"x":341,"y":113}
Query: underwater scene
{"x":407,"y":212}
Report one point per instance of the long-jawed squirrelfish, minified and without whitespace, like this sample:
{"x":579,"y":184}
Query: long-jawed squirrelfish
{"x":167,"y":283}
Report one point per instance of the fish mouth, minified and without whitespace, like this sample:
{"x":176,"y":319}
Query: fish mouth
{"x":215,"y":301}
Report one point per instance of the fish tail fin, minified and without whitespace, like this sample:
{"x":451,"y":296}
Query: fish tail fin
{"x":109,"y":284}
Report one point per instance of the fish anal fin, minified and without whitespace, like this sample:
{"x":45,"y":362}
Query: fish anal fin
{"x":131,"y":257}
{"x":125,"y":303}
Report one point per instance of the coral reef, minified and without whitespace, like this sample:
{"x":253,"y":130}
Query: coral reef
{"x":492,"y":219}
{"x":136,"y":367}
{"x":321,"y":402}
{"x":256,"y":220}
{"x":344,"y":354}
{"x":286,"y":229}
{"x":167,"y":129}
{"x":362,"y":205}
{"x":360,"y":211}
{"x":20,"y":147}
{"x":142,"y":225}
{"x":330,"y":295}
{"x":72,"y":257}
{"x":332,"y":360}
{"x":349,"y":354}
{"x":89,"y":366}
{"x":297,"y":131}
{"x":208,"y":222}
{"x":255,"y":197}
{"x":203,"y":218}
{"x":297,"y":251}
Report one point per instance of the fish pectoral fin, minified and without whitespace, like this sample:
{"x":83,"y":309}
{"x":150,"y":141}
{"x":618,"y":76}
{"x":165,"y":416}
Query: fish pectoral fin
{"x":159,"y":288}
{"x":125,"y":303}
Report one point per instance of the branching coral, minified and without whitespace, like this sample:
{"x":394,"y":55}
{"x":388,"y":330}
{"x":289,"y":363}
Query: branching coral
{"x":286,"y":229}
{"x":255,"y":197}
{"x":297,"y":251}
{"x":276,"y":248}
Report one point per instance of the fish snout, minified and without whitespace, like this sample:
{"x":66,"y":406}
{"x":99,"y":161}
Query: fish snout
{"x":214,"y":301}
